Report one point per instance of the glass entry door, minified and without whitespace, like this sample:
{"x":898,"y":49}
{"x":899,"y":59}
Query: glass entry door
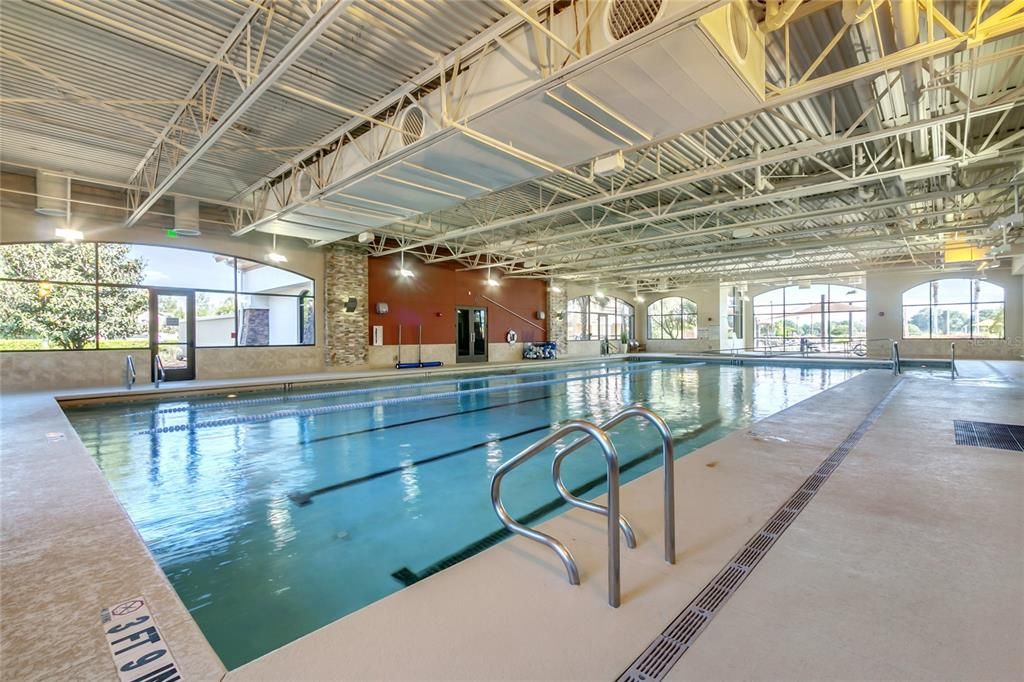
{"x":471,"y":334}
{"x":172,"y":330}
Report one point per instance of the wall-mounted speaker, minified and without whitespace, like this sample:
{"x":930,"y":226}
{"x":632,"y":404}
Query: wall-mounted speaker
{"x":350,"y":304}
{"x":381,"y":308}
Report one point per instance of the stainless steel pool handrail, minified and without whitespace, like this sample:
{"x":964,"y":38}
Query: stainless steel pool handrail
{"x":158,"y":371}
{"x":953,"y":371}
{"x":668,"y":463}
{"x":129,"y":372}
{"x":612,"y":462}
{"x":896,"y":368}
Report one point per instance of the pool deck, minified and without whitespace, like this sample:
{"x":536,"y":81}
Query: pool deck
{"x":908,"y":563}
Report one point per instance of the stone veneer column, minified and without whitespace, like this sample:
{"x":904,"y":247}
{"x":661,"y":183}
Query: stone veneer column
{"x":558,"y":328}
{"x":346,"y":275}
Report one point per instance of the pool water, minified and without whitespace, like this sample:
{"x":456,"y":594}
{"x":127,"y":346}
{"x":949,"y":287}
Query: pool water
{"x":274,"y":514}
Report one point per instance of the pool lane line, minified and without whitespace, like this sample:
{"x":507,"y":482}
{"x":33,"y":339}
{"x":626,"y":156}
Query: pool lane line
{"x":369,"y":389}
{"x":385,"y":427}
{"x":302,"y":498}
{"x":407,"y":576}
{"x":329,"y":409}
{"x":305,"y":498}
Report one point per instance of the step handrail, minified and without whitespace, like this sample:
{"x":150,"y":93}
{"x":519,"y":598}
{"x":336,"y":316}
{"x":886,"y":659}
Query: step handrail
{"x":953,"y":371}
{"x":158,"y":371}
{"x":612,"y":461}
{"x":668,"y":463}
{"x":896,"y":368}
{"x":129,"y":372}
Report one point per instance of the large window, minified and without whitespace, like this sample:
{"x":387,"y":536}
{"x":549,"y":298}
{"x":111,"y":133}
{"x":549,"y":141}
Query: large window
{"x":954,"y":309}
{"x":591,"y":318}
{"x":820,"y":317}
{"x":84,"y":296}
{"x":672,"y":318}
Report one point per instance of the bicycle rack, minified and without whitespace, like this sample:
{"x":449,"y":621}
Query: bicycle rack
{"x":616,"y":522}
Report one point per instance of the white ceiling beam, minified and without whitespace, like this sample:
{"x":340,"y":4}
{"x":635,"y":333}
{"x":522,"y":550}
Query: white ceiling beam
{"x":305,"y":37}
{"x":690,"y":177}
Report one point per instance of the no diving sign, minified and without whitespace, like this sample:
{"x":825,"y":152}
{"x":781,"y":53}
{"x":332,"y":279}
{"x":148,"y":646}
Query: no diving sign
{"x":139,"y":651}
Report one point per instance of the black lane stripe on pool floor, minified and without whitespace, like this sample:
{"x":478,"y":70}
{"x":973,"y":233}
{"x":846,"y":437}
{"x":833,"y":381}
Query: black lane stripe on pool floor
{"x":675,"y":640}
{"x":304,"y":498}
{"x":385,"y":427}
{"x":407,"y":576}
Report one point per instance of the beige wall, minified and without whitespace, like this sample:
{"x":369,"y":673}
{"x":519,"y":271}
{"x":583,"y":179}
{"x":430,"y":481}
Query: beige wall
{"x":885,"y":295}
{"x":387,"y":356}
{"x":40,"y":370}
{"x":708,"y":316}
{"x":59,"y":369}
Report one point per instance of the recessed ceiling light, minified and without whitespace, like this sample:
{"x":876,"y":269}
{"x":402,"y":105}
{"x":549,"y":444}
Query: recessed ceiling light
{"x":273,"y":256}
{"x":68,"y":234}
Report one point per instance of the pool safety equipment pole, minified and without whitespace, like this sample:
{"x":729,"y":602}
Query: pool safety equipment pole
{"x":400,"y":364}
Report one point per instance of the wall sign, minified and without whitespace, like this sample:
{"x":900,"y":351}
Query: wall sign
{"x":139,"y":651}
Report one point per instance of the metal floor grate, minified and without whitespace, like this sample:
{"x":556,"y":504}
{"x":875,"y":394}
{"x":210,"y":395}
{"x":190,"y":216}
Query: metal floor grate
{"x":663,"y":653}
{"x":989,"y":435}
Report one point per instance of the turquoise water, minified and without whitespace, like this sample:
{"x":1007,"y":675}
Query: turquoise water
{"x":274,"y":518}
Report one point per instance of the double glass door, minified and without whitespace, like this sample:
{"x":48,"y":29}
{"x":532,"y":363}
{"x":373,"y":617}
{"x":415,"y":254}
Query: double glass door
{"x":471,"y":334}
{"x":172,"y":331}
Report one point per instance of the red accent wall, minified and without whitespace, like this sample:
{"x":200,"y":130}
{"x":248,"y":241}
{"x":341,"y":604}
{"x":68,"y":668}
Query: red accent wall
{"x":430,"y":297}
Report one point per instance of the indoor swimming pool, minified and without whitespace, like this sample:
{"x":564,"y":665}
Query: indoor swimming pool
{"x":275,"y":513}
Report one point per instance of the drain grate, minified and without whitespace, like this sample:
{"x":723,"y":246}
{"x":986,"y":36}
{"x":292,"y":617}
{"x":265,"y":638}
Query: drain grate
{"x":674,"y":641}
{"x":989,"y":435}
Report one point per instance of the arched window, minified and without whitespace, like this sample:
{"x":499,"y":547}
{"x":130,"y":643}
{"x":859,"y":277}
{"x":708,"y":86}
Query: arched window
{"x":672,"y":317}
{"x":954,"y":309}
{"x":592,"y":318}
{"x":828,"y":317}
{"x":86,"y":295}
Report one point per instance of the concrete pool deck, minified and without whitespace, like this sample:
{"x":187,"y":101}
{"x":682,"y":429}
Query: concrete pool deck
{"x":909,"y":562}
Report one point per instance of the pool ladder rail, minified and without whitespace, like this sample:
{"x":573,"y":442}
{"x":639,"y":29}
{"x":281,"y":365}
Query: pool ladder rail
{"x":158,"y":371}
{"x":129,"y":372}
{"x":616,"y":522}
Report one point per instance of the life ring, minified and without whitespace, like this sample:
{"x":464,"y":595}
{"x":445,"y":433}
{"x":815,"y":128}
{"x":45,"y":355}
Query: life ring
{"x":511,"y":337}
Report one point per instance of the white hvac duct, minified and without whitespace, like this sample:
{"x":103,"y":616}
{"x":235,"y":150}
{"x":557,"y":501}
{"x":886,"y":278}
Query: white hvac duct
{"x":703,"y":66}
{"x":905,"y":23}
{"x":186,"y":217}
{"x":53,"y":194}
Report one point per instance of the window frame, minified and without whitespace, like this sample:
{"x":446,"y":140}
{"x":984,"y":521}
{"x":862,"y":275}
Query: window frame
{"x":682,"y":316}
{"x":781,"y":312}
{"x":932,"y":304}
{"x":97,"y":283}
{"x":624,"y":315}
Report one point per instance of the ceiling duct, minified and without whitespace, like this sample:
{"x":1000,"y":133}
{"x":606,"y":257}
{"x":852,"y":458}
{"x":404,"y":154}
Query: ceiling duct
{"x":52,"y":195}
{"x":413,"y":125}
{"x":702,"y":66}
{"x":626,"y":17}
{"x":186,"y":217}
